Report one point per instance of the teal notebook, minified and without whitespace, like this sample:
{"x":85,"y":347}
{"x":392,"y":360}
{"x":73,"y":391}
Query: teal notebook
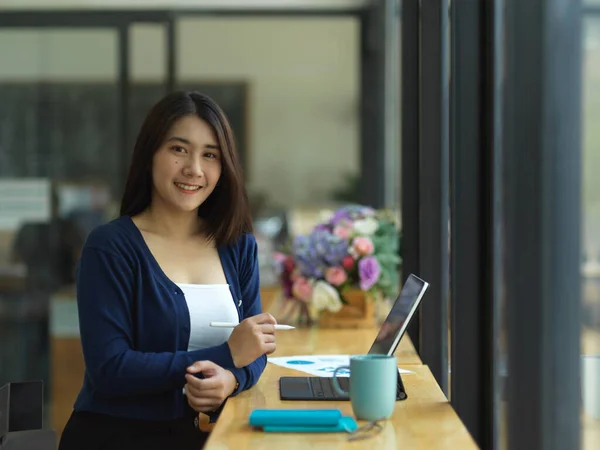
{"x":302,"y":421}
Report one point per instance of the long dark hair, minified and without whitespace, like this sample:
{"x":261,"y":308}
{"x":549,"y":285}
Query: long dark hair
{"x":226,"y":211}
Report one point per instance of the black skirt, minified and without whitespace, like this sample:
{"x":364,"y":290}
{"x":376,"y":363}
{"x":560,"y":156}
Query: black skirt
{"x":91,"y":431}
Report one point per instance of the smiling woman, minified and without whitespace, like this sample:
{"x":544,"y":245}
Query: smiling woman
{"x":150,"y":283}
{"x":195,"y":127}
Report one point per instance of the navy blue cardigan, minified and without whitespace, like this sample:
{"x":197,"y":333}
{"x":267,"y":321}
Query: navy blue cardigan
{"x":135,"y":325}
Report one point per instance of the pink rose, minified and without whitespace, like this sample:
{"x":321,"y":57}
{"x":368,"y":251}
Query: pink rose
{"x":363,"y":245}
{"x":341,"y":232}
{"x":335,"y":275}
{"x":302,"y":289}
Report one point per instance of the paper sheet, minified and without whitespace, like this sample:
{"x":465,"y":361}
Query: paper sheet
{"x":318,"y":365}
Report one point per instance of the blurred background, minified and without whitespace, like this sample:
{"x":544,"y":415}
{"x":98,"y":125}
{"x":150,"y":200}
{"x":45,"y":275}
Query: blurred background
{"x":313,"y":97}
{"x":76,"y":80}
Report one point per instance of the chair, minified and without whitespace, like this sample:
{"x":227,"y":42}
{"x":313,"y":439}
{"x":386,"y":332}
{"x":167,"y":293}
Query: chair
{"x":21,"y":417}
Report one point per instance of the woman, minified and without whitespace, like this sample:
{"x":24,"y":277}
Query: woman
{"x":150,"y":282}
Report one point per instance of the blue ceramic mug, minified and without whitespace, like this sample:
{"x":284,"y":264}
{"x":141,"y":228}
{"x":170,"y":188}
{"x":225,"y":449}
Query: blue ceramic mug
{"x":373,"y":385}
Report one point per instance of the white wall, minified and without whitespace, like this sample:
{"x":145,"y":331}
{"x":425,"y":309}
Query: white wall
{"x":302,"y":73}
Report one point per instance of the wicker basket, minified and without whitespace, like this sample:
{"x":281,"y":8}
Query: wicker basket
{"x":359,"y":312}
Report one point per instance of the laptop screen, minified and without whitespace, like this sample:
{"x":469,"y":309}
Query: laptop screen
{"x":399,"y":317}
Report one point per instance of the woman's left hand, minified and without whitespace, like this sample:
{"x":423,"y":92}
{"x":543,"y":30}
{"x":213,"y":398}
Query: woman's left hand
{"x":207,"y":394}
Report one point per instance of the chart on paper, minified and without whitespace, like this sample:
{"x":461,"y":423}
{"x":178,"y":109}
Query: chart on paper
{"x":318,"y":365}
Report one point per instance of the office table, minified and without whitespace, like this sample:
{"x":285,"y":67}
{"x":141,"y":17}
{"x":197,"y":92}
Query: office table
{"x":423,"y":421}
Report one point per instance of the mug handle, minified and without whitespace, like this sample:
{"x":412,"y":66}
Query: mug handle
{"x":336,"y":384}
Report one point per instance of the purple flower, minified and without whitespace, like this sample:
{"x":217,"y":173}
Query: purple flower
{"x":318,"y":251}
{"x":330,"y":249}
{"x":338,"y":216}
{"x":368,"y":271}
{"x":351,"y":213}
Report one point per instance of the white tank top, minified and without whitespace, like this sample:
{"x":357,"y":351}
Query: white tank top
{"x":209,"y":303}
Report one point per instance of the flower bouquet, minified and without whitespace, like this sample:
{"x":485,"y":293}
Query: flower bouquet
{"x":352,"y":255}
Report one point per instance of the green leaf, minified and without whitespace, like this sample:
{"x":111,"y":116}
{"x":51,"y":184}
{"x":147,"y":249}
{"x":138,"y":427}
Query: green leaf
{"x":386,"y":228}
{"x":386,"y":243}
{"x":388,"y":259}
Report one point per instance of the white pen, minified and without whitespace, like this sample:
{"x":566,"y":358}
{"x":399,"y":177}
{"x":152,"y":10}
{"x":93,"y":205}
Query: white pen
{"x":233,"y":325}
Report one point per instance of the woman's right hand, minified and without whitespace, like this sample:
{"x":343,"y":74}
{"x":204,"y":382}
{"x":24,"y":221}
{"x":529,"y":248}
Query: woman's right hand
{"x":252,"y":338}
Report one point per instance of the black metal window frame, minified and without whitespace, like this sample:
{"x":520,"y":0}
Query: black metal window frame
{"x":425,"y":172}
{"x":410,"y":136}
{"x":514,"y":202}
{"x":475,"y":212}
{"x":542,"y":211}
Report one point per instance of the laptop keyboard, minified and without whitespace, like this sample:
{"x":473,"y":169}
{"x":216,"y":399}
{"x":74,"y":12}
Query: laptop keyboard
{"x":323,"y":387}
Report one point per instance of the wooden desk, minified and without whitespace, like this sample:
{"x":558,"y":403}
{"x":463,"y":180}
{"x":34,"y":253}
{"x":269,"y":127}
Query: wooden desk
{"x":308,"y":341}
{"x":424,"y":421}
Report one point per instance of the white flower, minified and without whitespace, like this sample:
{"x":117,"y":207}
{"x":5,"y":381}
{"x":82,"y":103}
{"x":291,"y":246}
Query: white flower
{"x":313,"y":312}
{"x":366,"y":226}
{"x":325,"y":296}
{"x":335,"y":303}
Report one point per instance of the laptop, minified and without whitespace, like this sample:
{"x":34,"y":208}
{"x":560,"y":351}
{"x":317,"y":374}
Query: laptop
{"x":386,"y":342}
